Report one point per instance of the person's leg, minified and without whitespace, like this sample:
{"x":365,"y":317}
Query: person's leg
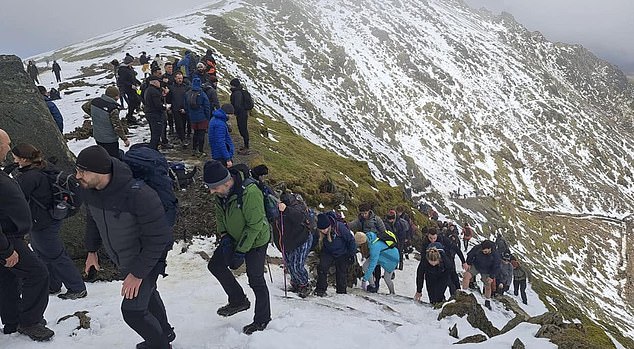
{"x":488,"y":282}
{"x":170,"y":121}
{"x":388,"y":281}
{"x":179,"y":125}
{"x":244,"y":131}
{"x":377,"y":276}
{"x":255,"y":261}
{"x":9,"y":299}
{"x":137,"y":315}
{"x":516,"y":286}
{"x":34,"y":277}
{"x":221,"y":272}
{"x":155,"y":130}
{"x":50,"y":249}
{"x":523,"y":291}
{"x":341,"y":274}
{"x":325,"y":260}
{"x":454,"y":283}
{"x":466,"y":279}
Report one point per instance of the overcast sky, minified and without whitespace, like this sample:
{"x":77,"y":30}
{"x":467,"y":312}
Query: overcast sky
{"x":35,"y":26}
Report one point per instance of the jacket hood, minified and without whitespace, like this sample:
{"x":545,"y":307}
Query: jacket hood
{"x":220,"y":114}
{"x":121,"y":176}
{"x":196,"y":84}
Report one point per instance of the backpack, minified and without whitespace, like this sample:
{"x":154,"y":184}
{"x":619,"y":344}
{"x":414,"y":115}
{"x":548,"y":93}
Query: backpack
{"x":247,"y":100}
{"x":150,"y":166}
{"x":178,"y":173}
{"x":192,"y":99}
{"x":270,"y":200}
{"x":210,"y":66}
{"x":193,"y":61}
{"x":64,"y":187}
{"x":388,"y":237}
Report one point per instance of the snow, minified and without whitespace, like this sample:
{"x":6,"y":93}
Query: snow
{"x":192,"y":295}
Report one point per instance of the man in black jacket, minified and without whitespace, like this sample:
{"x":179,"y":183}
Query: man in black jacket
{"x":155,"y":110}
{"x":484,"y":260}
{"x":127,"y":83}
{"x":450,"y":249}
{"x":18,"y":264}
{"x":237,"y":100}
{"x":176,"y":98}
{"x":128,"y":217}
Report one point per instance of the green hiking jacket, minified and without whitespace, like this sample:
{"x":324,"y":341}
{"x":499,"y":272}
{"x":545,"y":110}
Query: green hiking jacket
{"x":247,"y":225}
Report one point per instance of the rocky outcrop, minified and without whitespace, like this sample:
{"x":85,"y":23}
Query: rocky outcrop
{"x":476,"y":338}
{"x":466,"y":304}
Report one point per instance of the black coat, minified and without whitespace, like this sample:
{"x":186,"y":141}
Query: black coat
{"x":153,"y":101}
{"x":436,"y":277}
{"x":484,"y":263}
{"x":237,"y":100}
{"x":450,"y":249}
{"x":15,"y":215}
{"x":176,"y":96}
{"x":37,"y":191}
{"x":295,"y":225}
{"x":127,"y":78}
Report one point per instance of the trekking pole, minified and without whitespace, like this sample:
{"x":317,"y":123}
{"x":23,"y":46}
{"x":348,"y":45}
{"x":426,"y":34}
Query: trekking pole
{"x":283,"y":254}
{"x":268,"y":264}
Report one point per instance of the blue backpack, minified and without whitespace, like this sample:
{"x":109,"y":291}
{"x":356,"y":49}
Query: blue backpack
{"x":150,"y":166}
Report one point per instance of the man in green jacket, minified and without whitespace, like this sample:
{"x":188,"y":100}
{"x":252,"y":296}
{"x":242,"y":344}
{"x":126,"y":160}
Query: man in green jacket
{"x":244,"y":230}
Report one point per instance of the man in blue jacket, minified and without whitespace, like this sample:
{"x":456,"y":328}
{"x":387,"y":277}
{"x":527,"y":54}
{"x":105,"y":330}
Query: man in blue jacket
{"x":220,"y":140}
{"x":57,"y":115}
{"x":128,"y":217}
{"x":337,"y":246}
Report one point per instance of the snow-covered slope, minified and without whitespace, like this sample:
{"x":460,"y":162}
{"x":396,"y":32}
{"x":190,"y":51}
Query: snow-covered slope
{"x":436,"y":97}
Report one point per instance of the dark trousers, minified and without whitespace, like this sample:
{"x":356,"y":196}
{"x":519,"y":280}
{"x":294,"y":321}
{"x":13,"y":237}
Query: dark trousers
{"x":58,"y":77}
{"x":198,"y":142}
{"x":111,"y":148}
{"x":180,"y":119}
{"x":49,"y":248}
{"x":436,"y":289}
{"x":254,"y":260}
{"x":124,"y":97}
{"x":521,"y":285}
{"x":341,"y":273}
{"x":377,"y":276}
{"x":454,"y":283}
{"x":188,"y":125}
{"x":31,"y":273}
{"x":170,"y":121}
{"x":466,"y":243}
{"x":242,"y":127}
{"x":155,"y":121}
{"x":164,"y":139}
{"x":133,"y":102}
{"x":146,"y":314}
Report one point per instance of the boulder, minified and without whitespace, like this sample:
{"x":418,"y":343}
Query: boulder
{"x":517,"y":344}
{"x":476,"y":338}
{"x":548,"y":331}
{"x":466,"y":304}
{"x":548,"y":318}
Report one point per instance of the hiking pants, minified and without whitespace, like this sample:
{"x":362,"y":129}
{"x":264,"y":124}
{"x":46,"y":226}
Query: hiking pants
{"x":170,"y":121}
{"x":156,"y":129}
{"x":296,"y":262}
{"x":164,"y":139}
{"x":57,"y":76}
{"x":377,"y":276}
{"x":146,"y":314}
{"x":123,"y":97}
{"x":133,"y":102}
{"x":521,"y":285}
{"x":199,"y":140}
{"x":341,"y":274}
{"x":111,"y":148}
{"x":254,"y":260}
{"x":49,"y":248}
{"x":31,"y":274}
{"x":180,"y":119}
{"x":436,"y":289}
{"x":387,"y":276}
{"x":242,"y":127}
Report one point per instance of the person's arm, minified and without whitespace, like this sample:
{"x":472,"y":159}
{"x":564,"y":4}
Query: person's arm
{"x":117,"y":125}
{"x":86,"y":107}
{"x":92,"y":239}
{"x":254,"y":217}
{"x":380,"y":226}
{"x":420,"y":277}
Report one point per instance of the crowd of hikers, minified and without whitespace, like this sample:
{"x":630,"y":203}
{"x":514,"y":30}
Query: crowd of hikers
{"x":130,"y":210}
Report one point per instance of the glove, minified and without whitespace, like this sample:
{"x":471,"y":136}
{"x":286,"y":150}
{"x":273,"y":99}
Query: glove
{"x":236,"y":261}
{"x":371,"y":289}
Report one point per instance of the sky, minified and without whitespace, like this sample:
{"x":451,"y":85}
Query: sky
{"x":603,"y":27}
{"x":38,"y":26}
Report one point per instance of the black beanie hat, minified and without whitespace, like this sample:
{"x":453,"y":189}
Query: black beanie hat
{"x":323,"y":221}
{"x":94,"y":159}
{"x":228,"y":108}
{"x":215,"y":173}
{"x":235,"y":82}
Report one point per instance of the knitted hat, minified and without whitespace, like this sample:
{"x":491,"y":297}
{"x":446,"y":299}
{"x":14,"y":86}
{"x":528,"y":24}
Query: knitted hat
{"x":235,"y":82}
{"x":94,"y":159}
{"x":228,"y":108}
{"x":112,"y":91}
{"x":323,"y":221}
{"x":200,"y":65}
{"x":215,"y":174}
{"x":360,"y":238}
{"x":128,"y":60}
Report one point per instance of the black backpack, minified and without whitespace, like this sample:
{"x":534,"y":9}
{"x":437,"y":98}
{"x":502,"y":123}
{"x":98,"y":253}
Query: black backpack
{"x":270,"y":200}
{"x":247,"y":100}
{"x":192,"y":99}
{"x":64,"y":187}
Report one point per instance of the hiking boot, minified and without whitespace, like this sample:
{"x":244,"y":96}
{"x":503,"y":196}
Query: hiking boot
{"x":54,"y":292}
{"x":487,"y":303}
{"x":10,"y":328}
{"x":73,"y":295}
{"x":303,"y":291}
{"x":525,"y":302}
{"x":171,"y":336}
{"x":254,"y":326}
{"x":231,"y":309}
{"x":37,"y":332}
{"x":320,"y":293}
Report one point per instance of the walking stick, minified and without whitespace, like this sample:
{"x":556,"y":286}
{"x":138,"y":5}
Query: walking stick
{"x":268,"y":264}
{"x":283,"y":254}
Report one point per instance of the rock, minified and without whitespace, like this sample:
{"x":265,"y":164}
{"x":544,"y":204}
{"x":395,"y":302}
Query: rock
{"x":453,"y":331}
{"x":84,"y":320}
{"x":510,"y":304}
{"x":548,"y":318}
{"x":548,"y":331}
{"x":517,"y":344}
{"x":476,"y":338}
{"x":466,"y":304}
{"x":512,"y":324}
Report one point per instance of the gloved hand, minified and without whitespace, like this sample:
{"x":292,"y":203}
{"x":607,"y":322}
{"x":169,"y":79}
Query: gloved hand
{"x":236,"y":261}
{"x":371,"y":289}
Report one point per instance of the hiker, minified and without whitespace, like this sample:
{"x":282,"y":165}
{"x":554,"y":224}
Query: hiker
{"x":450,"y":249}
{"x":212,"y":94}
{"x":366,"y":222}
{"x":520,"y":277}
{"x":129,"y":218}
{"x":467,"y":234}
{"x":291,"y":235}
{"x":185,"y":63}
{"x":220,"y":140}
{"x":52,"y":108}
{"x":56,"y":70}
{"x":483,"y":259}
{"x":158,"y":62}
{"x":198,"y":110}
{"x":127,"y":84}
{"x":405,"y":245}
{"x":376,"y":252}
{"x":107,"y":128}
{"x":201,"y":73}
{"x":31,"y":69}
{"x":242,"y":114}
{"x":45,"y":239}
{"x":210,"y":65}
{"x":155,"y":110}
{"x":176,"y":98}
{"x":435,"y":271}
{"x":504,"y":276}
{"x":23,"y":277}
{"x":337,"y":245}
{"x":399,"y":227}
{"x":145,"y":64}
{"x":168,"y":74}
{"x":244,"y":230}
{"x":501,"y":245}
